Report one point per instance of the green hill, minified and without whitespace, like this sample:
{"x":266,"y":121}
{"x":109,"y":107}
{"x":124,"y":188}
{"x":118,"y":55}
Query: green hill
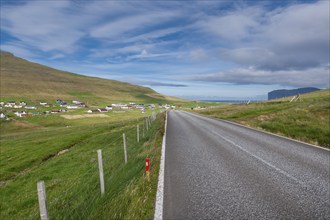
{"x":21,"y":79}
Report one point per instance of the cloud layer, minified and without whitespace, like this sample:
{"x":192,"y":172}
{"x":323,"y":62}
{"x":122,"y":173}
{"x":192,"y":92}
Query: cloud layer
{"x":240,"y":43}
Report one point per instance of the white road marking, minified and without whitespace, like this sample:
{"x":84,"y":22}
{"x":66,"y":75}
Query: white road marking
{"x":160,"y":188}
{"x":260,"y":159}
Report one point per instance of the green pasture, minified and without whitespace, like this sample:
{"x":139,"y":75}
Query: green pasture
{"x":62,"y":153}
{"x":307,"y":119}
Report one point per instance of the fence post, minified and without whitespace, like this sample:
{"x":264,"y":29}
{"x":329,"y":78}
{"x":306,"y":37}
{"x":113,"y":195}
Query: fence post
{"x":138,"y":133}
{"x":125,"y":153}
{"x":143,"y":130}
{"x":147,"y":124}
{"x":42,"y":200}
{"x":99,"y":156}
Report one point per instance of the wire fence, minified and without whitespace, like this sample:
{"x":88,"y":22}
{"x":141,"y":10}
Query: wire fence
{"x":75,"y":194}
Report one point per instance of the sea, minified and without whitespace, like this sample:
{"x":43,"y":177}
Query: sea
{"x":232,"y":101}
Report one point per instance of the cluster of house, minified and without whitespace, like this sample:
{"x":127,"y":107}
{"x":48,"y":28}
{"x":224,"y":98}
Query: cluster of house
{"x":74,"y":105}
{"x":13,"y":104}
{"x":22,"y":104}
{"x":131,"y":105}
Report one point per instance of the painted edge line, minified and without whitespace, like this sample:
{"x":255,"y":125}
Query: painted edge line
{"x":160,"y":188}
{"x":266,"y":132}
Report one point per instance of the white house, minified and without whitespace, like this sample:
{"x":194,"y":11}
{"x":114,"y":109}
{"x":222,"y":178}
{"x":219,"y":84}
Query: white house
{"x":116,"y":105}
{"x":92,"y":111}
{"x":109,"y":107}
{"x":102,"y":110}
{"x":8,"y":105}
{"x":30,"y":107}
{"x":43,"y":103}
{"x":2,"y":115}
{"x":72,"y":107}
{"x":20,"y":114}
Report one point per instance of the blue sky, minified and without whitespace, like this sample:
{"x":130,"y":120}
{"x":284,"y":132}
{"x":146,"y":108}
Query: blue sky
{"x":191,"y":49}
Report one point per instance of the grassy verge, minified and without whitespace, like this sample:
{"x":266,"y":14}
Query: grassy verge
{"x":307,"y":119}
{"x":71,"y":176}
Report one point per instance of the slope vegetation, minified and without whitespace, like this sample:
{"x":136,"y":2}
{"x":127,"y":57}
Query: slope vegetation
{"x":23,"y":79}
{"x":307,"y":119}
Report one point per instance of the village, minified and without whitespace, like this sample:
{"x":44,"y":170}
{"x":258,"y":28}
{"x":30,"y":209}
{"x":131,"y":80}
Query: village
{"x":24,"y":109}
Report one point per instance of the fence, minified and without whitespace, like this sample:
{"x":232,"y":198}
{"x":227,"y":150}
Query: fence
{"x":106,"y":165}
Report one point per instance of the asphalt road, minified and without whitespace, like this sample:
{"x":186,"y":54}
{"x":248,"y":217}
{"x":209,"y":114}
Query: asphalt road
{"x":218,"y":170}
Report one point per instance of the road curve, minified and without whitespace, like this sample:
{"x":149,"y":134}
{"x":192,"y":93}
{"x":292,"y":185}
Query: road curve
{"x":218,"y":170}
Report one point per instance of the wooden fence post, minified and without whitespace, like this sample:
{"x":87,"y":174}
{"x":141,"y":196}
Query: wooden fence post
{"x":143,"y":129}
{"x":125,"y":152}
{"x":99,"y":156}
{"x":138,"y":133}
{"x":42,"y":200}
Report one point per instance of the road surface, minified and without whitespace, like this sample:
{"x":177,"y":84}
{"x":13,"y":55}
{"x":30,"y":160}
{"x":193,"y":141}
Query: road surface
{"x":218,"y":170}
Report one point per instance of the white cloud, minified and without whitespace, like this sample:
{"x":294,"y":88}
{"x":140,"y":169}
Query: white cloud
{"x":299,"y":24}
{"x":319,"y":77}
{"x":153,"y":35}
{"x":292,"y":38}
{"x":266,"y":43}
{"x":18,"y":50}
{"x":233,"y":26}
{"x":132,"y":23}
{"x":43,"y":25}
{"x":198,"y":54}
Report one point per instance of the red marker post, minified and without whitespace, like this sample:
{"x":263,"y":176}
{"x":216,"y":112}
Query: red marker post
{"x":147,"y":169}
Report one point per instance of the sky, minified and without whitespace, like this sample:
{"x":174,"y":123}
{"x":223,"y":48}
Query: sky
{"x":206,"y":50}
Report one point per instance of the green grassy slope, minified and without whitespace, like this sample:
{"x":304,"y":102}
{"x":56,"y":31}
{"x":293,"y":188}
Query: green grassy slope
{"x":26,"y":80}
{"x":71,"y":177}
{"x":307,"y":119}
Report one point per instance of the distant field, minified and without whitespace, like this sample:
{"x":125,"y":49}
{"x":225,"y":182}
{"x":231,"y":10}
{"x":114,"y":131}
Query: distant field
{"x":307,"y":119}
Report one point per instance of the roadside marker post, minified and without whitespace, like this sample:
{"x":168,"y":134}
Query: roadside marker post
{"x":42,"y":200}
{"x":147,"y":169}
{"x":99,"y":157}
{"x":125,"y":152}
{"x":138,"y":133}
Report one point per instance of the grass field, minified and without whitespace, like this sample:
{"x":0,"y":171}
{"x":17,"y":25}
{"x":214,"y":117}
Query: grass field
{"x":307,"y":119}
{"x":62,"y":153}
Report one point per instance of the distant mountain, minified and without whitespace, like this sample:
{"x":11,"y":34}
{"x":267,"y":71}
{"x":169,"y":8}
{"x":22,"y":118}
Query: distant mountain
{"x":276,"y":94}
{"x":21,"y":79}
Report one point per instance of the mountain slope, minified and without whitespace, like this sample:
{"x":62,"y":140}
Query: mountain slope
{"x":23,"y":79}
{"x":276,"y":94}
